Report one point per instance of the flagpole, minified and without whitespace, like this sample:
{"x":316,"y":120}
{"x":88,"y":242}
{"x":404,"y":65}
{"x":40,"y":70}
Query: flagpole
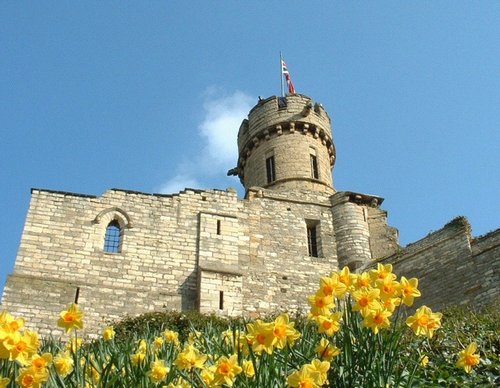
{"x":281,"y":75}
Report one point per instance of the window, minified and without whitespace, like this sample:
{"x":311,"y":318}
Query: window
{"x":218,"y":226}
{"x":312,"y":240}
{"x":270,"y":169}
{"x":112,"y":239}
{"x":221,"y":300}
{"x":314,"y":167}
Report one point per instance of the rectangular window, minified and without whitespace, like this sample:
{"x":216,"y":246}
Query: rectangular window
{"x":314,"y":167}
{"x":221,"y":300}
{"x":218,"y":226}
{"x":312,"y":240}
{"x":270,"y":169}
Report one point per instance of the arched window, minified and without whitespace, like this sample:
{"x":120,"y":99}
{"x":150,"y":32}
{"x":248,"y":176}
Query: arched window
{"x":112,"y":240}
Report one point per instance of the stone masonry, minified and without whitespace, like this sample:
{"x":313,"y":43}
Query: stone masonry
{"x":211,"y":251}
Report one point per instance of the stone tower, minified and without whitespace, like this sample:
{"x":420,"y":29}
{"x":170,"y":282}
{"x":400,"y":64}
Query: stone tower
{"x":286,"y":144}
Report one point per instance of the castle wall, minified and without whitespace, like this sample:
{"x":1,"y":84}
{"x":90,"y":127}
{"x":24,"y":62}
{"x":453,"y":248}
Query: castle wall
{"x":203,"y":250}
{"x":279,"y":273}
{"x":62,"y":248}
{"x":452,"y":268}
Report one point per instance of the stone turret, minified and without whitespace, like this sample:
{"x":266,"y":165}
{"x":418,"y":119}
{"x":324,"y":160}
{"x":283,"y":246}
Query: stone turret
{"x":286,"y":144}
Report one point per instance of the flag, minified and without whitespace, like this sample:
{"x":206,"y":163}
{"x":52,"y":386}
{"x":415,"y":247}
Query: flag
{"x":286,"y":73}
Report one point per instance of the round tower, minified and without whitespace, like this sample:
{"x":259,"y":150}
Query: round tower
{"x":286,"y":143}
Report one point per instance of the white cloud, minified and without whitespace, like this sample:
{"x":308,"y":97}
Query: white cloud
{"x":223,"y":113}
{"x":178,"y":183}
{"x":223,"y":116}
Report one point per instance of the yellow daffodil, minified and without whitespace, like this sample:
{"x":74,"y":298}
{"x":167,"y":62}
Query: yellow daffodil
{"x":377,"y":319}
{"x":424,"y":361}
{"x":382,"y":272}
{"x":366,"y":299}
{"x":32,"y":378}
{"x":261,"y":336}
{"x":361,"y":280}
{"x":326,"y":350}
{"x":226,"y":370}
{"x":71,"y":319}
{"x":4,"y":382}
{"x":321,"y":304}
{"x":39,"y":362}
{"x":388,"y":287}
{"x":319,"y":369}
{"x":158,"y":371}
{"x":346,"y":277}
{"x":74,"y":344}
{"x":329,"y":324}
{"x":331,"y":285}
{"x":409,"y":290}
{"x":248,"y":368}
{"x":108,"y":333}
{"x":424,"y":322}
{"x":468,"y":358}
{"x":63,"y":363}
{"x":303,"y":378}
{"x":20,"y":347}
{"x":284,"y":332}
{"x":190,"y":358}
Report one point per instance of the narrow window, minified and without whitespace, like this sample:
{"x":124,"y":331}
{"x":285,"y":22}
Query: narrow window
{"x":221,"y":300}
{"x":270,"y":168}
{"x":218,"y":226}
{"x":314,"y":167}
{"x":112,"y":240}
{"x":312,"y":240}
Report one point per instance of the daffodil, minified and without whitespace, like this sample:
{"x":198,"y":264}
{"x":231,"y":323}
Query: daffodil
{"x":226,"y":370}
{"x":366,"y":299}
{"x":32,"y":378}
{"x":382,"y":272}
{"x":63,"y":364}
{"x":303,"y":378}
{"x":361,"y":280}
{"x":108,"y":333}
{"x":284,"y":332}
{"x":4,"y":382}
{"x":190,"y":358}
{"x":329,"y":324}
{"x":468,"y":358}
{"x":71,"y":319}
{"x":346,"y":277}
{"x":261,"y":336}
{"x":321,"y":304}
{"x":158,"y":371}
{"x":326,"y":350}
{"x":377,"y":319}
{"x":409,"y":290}
{"x":319,"y":369}
{"x":424,"y":322}
{"x":248,"y":368}
{"x":39,"y":362}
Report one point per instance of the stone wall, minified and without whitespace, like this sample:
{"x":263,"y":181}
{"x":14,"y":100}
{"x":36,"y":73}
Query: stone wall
{"x":452,"y":268}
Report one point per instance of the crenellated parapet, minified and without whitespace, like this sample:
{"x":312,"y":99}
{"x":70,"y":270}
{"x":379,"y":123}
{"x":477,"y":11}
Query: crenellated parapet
{"x":286,"y":142}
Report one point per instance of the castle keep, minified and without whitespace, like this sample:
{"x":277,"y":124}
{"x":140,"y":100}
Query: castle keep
{"x":129,"y":252}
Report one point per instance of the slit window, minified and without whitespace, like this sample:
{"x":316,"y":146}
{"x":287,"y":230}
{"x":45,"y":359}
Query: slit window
{"x":218,"y":226}
{"x":314,"y":167}
{"x":221,"y":300}
{"x":312,"y":240}
{"x":270,"y":169}
{"x":112,"y":239}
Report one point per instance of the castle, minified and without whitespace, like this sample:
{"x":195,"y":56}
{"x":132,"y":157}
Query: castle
{"x":128,"y":252}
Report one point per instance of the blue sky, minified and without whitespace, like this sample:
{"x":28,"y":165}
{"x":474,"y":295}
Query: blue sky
{"x":148,"y":96}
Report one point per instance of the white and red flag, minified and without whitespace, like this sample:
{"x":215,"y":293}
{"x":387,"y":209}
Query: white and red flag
{"x":286,"y":73}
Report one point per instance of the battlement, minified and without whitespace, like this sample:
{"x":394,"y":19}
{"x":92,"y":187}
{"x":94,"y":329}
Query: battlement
{"x":293,"y":135}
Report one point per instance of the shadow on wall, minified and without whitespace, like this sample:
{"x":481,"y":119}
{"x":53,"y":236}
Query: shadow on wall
{"x":188,"y":292}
